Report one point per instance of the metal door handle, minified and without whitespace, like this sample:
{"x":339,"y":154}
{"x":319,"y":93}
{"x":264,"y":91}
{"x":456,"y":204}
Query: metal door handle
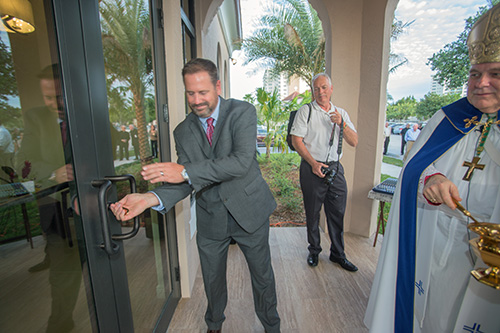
{"x":133,"y":189}
{"x":104,"y":185}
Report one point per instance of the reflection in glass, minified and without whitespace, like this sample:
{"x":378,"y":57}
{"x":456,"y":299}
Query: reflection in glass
{"x":128,"y":65}
{"x":127,"y":45}
{"x":17,"y":16}
{"x":41,"y":271}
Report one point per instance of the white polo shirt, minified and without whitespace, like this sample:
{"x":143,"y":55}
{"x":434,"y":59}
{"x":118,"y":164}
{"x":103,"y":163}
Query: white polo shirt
{"x":317,"y":132}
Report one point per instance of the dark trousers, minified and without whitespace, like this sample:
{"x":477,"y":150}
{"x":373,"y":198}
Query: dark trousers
{"x":154,"y":148}
{"x":123,"y":150}
{"x":386,"y":144}
{"x":403,"y":144}
{"x":65,"y":275}
{"x":65,"y":272}
{"x":316,"y":194}
{"x":213,"y":258}
{"x":135,"y":144}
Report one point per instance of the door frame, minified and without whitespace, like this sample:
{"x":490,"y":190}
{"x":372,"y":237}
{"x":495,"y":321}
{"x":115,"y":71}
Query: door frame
{"x":163,"y":119}
{"x":84,"y":87}
{"x":81,"y":61}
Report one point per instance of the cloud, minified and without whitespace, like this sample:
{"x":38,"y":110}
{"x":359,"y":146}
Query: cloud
{"x":437,"y":23}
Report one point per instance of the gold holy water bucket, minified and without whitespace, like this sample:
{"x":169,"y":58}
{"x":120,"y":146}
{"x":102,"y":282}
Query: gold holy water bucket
{"x":487,"y":246}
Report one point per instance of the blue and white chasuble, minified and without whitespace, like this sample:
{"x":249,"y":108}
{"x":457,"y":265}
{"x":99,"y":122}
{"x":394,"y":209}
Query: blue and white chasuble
{"x":423,"y":271}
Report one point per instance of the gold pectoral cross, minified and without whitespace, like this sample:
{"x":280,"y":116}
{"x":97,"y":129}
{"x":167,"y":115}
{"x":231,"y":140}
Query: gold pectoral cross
{"x":472,"y":166}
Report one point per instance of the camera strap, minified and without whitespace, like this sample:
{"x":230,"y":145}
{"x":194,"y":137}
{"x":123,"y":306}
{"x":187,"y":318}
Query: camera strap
{"x":339,"y":149}
{"x":341,"y":135}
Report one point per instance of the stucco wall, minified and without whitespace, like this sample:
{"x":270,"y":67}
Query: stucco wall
{"x":188,"y":252}
{"x":212,"y":42}
{"x":357,"y":34}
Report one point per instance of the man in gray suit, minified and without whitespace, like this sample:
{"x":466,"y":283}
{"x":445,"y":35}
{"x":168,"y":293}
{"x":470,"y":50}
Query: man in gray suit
{"x":216,"y":158}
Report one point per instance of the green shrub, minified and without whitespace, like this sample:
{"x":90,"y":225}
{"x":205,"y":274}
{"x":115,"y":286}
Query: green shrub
{"x":281,"y":173}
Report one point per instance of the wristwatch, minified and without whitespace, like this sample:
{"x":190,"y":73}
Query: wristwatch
{"x":185,"y":175}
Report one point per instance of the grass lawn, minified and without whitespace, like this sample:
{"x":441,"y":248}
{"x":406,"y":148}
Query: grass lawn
{"x":393,"y":161}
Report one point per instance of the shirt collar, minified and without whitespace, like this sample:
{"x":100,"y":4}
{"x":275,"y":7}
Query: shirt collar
{"x":321,"y":109}
{"x":214,"y":115}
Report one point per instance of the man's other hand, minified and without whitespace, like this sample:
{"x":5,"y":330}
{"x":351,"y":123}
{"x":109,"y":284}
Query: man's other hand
{"x":316,"y":169}
{"x":163,"y":172}
{"x":132,"y":205}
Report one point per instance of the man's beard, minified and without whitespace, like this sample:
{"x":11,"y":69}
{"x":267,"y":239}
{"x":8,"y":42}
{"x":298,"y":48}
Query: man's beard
{"x":202,"y":113}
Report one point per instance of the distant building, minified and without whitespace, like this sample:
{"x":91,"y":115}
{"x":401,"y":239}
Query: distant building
{"x":436,"y":88}
{"x":272,"y":82}
{"x":440,"y":90}
{"x":288,"y":87}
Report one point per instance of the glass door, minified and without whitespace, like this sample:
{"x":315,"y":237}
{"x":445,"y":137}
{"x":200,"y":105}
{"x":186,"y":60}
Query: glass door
{"x":132,"y":46}
{"x":64,"y":269}
{"x":44,"y":258}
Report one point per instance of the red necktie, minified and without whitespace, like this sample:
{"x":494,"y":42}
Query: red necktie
{"x":210,"y":129}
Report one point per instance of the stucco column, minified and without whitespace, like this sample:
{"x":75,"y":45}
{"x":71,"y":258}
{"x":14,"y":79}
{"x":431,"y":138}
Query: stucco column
{"x":358,"y":37}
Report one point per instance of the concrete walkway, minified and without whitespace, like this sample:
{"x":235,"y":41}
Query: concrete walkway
{"x":391,"y":170}
{"x":394,"y":151}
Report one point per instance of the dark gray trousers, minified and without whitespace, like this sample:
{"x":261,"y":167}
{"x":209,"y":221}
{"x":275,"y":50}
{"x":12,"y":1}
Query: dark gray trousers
{"x":213,"y":258}
{"x":316,"y":194}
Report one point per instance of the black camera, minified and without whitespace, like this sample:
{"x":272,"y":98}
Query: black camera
{"x":330,"y":174}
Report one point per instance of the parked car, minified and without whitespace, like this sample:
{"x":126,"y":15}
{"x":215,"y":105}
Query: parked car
{"x":261,"y":134}
{"x":396,"y":128}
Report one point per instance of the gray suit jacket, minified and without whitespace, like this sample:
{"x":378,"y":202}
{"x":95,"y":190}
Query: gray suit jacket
{"x":225,"y":176}
{"x":42,"y":145}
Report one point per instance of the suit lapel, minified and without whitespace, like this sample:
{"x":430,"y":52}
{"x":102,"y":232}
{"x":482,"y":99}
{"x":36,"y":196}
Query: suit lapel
{"x":220,"y":121}
{"x":199,"y":134}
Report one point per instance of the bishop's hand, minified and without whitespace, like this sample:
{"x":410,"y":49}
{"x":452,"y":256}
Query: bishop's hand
{"x":438,"y":189}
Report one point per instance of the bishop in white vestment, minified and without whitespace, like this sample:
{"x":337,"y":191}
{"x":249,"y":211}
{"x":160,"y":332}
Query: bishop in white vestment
{"x":423,"y":281}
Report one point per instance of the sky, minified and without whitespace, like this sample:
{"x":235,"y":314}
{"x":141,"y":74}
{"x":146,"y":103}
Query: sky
{"x":437,"y":23}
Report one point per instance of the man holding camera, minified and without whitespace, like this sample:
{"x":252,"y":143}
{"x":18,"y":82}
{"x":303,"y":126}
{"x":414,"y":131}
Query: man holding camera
{"x":317,"y":138}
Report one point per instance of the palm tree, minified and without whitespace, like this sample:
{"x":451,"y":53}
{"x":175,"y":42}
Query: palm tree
{"x":271,"y":115}
{"x":397,"y":60}
{"x":290,"y":39}
{"x":10,"y":115}
{"x":127,"y":53}
{"x":119,"y":106}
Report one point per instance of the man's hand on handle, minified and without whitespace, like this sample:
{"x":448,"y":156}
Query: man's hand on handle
{"x":132,"y":205}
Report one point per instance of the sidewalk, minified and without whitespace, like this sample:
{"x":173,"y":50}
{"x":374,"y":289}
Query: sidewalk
{"x":118,"y":162}
{"x":394,"y":151}
{"x":391,"y":170}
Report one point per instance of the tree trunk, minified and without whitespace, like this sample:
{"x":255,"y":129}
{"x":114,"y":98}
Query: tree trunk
{"x":140,"y":115}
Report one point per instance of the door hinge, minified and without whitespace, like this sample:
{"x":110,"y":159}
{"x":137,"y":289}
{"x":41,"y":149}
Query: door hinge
{"x":160,"y":17}
{"x":177,"y":274}
{"x":165,"y":113}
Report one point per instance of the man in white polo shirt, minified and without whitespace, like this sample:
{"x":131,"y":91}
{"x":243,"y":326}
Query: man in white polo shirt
{"x":316,"y":139}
